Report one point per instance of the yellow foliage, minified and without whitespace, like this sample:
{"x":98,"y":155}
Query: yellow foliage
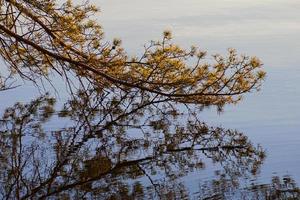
{"x":72,"y":41}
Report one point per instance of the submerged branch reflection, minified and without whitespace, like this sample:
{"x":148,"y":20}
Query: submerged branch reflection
{"x":124,"y":146}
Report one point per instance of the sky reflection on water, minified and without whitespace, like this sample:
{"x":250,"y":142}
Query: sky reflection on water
{"x":268,"y":29}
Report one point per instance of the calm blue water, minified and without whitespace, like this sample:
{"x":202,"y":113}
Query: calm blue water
{"x":267,"y":29}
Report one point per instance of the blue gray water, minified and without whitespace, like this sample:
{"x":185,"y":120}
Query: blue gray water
{"x":267,"y":29}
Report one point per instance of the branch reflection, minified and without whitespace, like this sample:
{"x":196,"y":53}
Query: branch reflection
{"x":115,"y":146}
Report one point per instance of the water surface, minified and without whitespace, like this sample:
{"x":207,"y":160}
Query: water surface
{"x":267,"y":29}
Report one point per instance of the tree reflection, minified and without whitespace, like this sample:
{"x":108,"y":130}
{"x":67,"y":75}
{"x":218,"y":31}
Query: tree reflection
{"x":279,"y":189}
{"x":124,"y":146}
